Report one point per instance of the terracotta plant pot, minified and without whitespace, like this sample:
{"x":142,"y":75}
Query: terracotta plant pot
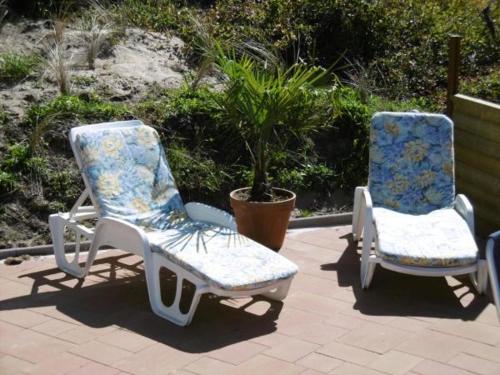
{"x":264,"y":222}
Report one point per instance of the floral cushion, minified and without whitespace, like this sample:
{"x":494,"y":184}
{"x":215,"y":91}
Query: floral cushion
{"x":129,"y":176}
{"x":221,"y":257}
{"x":439,"y":239}
{"x":411,"y":162}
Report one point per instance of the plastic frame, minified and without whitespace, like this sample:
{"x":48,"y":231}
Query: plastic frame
{"x":492,"y":270}
{"x":363,"y":227}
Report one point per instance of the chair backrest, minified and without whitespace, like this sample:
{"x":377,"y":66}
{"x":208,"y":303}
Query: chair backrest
{"x":125,"y":169}
{"x":411,"y":162}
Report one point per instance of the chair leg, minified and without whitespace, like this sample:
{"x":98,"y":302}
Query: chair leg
{"x":367,"y":260}
{"x":279,"y":293}
{"x":357,"y":214}
{"x":172,"y":312}
{"x":57,"y":225}
{"x":480,"y":278}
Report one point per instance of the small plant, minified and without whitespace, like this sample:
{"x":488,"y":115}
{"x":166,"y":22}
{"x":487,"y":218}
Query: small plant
{"x":258,"y":102}
{"x":93,"y":33}
{"x":16,"y":67}
{"x":59,"y":68}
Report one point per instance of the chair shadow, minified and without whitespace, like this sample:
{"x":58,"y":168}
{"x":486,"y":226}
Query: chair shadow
{"x":123,"y":301}
{"x":396,"y":294}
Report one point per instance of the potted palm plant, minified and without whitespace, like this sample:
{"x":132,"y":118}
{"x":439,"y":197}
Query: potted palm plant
{"x":258,"y":101}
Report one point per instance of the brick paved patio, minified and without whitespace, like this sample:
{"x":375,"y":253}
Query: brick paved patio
{"x":52,"y":323}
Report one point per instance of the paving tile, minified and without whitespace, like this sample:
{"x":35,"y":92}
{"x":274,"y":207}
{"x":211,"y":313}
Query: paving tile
{"x":10,"y":364}
{"x":83,"y":334}
{"x":60,"y":364}
{"x":352,"y":369}
{"x":291,"y":321}
{"x":22,"y":317}
{"x":345,"y":321}
{"x":320,"y":333}
{"x":238,"y":352}
{"x":127,"y":340}
{"x":408,"y":324}
{"x":433,"y":345}
{"x":100,"y":352}
{"x":374,"y":337}
{"x":209,"y":366}
{"x":261,"y":364}
{"x":94,"y":368}
{"x":53,"y":327}
{"x":312,"y":372}
{"x":348,"y":353}
{"x":428,"y":367}
{"x":317,"y":304}
{"x":291,"y":350}
{"x":32,"y":346}
{"x":475,"y":364}
{"x":156,"y":359}
{"x":7,"y":328}
{"x":394,"y":362}
{"x":480,"y":332}
{"x":319,"y":362}
{"x":488,"y":352}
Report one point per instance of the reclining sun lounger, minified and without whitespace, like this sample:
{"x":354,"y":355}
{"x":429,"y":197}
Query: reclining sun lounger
{"x":139,"y":210}
{"x":409,"y":209}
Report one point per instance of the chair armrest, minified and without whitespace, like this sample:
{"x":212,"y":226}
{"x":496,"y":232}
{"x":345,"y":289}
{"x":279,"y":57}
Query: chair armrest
{"x":121,"y":234}
{"x":208,"y":214}
{"x":463,"y":206}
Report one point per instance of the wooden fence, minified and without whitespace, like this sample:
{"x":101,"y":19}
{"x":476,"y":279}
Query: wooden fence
{"x":477,"y":154}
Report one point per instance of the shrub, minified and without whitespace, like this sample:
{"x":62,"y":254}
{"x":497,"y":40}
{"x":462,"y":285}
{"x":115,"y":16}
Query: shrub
{"x":80,"y":107}
{"x":485,"y":87}
{"x":405,"y":41}
{"x":16,"y":67}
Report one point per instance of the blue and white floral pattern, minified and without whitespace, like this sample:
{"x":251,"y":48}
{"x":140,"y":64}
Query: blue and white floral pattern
{"x":411,"y":162}
{"x":221,"y":256}
{"x":130,"y":177}
{"x":438,"y":239}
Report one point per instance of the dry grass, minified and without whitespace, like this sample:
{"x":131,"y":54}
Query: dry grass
{"x":59,"y":67}
{"x":94,"y":31}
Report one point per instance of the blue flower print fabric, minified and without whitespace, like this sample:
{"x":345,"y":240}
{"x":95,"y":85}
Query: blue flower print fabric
{"x":411,"y":162}
{"x":129,"y":176}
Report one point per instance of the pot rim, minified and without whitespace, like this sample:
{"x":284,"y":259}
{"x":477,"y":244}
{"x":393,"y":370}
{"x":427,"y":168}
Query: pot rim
{"x":293,"y":196}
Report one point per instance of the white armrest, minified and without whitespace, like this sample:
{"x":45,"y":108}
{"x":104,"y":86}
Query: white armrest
{"x":464,"y":208}
{"x":121,"y":234}
{"x":208,"y":214}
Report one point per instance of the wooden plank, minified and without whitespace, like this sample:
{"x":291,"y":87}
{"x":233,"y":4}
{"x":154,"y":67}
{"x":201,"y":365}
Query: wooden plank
{"x":482,"y":145}
{"x":486,"y":111}
{"x":476,"y":160}
{"x":487,"y":182}
{"x":476,"y":193}
{"x":485,"y":213}
{"x":476,"y":126}
{"x":484,"y":228}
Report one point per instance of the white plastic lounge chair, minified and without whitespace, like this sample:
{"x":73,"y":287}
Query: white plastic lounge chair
{"x":409,"y":208}
{"x":139,"y":210}
{"x":493,"y":258}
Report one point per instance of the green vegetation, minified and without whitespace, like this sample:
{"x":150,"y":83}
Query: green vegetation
{"x":16,"y":67}
{"x":387,"y":54}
